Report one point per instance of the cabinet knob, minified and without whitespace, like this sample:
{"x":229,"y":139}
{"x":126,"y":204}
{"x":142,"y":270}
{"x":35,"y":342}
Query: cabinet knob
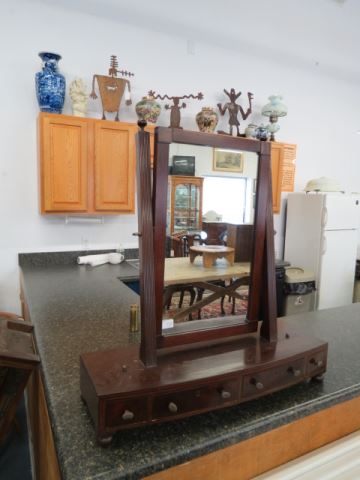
{"x":295,"y":371}
{"x":127,"y":415}
{"x":172,"y":407}
{"x":137,"y":234}
{"x":225,"y":394}
{"x":257,"y":384}
{"x":317,"y":363}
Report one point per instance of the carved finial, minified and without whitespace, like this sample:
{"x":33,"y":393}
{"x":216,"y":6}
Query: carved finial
{"x":142,"y":124}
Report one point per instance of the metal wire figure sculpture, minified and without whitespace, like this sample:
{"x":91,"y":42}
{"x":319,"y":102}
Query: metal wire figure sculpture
{"x":234,"y":109}
{"x":175,"y":115}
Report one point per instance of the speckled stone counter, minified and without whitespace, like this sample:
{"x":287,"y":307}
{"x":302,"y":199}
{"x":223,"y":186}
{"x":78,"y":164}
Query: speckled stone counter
{"x":78,"y":309}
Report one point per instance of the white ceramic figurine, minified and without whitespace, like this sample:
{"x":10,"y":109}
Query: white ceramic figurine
{"x":79,"y":97}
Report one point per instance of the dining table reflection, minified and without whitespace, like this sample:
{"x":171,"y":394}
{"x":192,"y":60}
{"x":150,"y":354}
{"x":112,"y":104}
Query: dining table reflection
{"x":219,"y":280}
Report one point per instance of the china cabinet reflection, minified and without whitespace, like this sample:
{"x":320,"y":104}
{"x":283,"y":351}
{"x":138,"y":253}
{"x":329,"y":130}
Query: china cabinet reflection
{"x":185,"y":203}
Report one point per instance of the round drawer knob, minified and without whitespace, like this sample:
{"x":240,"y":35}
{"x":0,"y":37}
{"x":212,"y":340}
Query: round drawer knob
{"x":258,"y":385}
{"x":127,"y":415}
{"x":172,"y":407}
{"x":225,"y":394}
{"x":317,"y":363}
{"x":295,"y":371}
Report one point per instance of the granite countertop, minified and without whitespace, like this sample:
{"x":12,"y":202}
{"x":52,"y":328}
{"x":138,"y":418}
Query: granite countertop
{"x":77,"y":309}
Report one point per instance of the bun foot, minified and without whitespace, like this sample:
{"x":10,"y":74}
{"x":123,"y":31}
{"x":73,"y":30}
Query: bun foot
{"x":104,"y":441}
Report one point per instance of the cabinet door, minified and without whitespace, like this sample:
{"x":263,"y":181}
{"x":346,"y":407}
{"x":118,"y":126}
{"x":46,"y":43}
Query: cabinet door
{"x":277,"y":155}
{"x":114,"y":166}
{"x":63,"y":163}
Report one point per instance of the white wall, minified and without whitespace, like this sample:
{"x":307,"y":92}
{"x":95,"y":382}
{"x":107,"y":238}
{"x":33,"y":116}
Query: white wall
{"x":323,"y":114}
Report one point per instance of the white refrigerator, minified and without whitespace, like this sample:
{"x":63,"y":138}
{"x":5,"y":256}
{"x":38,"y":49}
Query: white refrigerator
{"x":322,"y":235}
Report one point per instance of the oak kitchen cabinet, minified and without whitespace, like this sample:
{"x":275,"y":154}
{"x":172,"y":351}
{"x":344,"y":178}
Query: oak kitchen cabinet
{"x":283,"y":157}
{"x":86,"y":165}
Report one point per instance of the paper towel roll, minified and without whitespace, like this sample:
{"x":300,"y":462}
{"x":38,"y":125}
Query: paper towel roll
{"x":88,"y":259}
{"x":96,"y":262}
{"x":115,"y":258}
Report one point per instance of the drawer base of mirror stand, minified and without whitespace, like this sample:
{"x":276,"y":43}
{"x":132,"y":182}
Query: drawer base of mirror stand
{"x":121,"y":393}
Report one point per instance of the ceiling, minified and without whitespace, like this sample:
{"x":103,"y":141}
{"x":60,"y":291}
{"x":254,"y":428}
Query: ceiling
{"x":322,"y":34}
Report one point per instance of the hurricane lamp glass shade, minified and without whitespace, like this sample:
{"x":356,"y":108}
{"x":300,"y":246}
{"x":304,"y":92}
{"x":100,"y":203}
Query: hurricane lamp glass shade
{"x":273,"y":128}
{"x":275,"y":108}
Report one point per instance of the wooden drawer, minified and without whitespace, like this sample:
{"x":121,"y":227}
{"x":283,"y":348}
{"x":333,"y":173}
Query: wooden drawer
{"x":316,"y":363}
{"x":125,"y":411}
{"x":273,"y":378}
{"x":200,"y":399}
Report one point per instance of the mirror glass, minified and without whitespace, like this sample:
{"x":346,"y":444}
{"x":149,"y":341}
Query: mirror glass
{"x":209,"y":233}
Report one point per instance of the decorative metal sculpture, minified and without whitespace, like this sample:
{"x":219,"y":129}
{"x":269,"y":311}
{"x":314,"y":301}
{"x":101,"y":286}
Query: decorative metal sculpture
{"x":234,"y":109}
{"x":175,"y":116}
{"x":112,"y":88}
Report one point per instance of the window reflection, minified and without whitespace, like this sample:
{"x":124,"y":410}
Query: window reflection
{"x":228,"y":197}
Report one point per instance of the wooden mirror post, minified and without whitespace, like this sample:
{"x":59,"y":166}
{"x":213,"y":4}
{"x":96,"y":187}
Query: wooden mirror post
{"x":146,"y":249}
{"x":269,"y":324}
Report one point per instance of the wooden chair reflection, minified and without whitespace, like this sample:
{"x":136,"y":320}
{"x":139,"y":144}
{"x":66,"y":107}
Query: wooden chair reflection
{"x":240,"y":237}
{"x":182,"y":241}
{"x":243,"y":292}
{"x":214,"y":240}
{"x":180,"y":244}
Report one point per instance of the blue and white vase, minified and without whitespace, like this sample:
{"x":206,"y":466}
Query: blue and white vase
{"x":50,"y":84}
{"x":262,"y":132}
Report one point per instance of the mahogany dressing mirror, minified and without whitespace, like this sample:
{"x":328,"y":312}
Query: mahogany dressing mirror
{"x":209,"y":224}
{"x":202,"y":362}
